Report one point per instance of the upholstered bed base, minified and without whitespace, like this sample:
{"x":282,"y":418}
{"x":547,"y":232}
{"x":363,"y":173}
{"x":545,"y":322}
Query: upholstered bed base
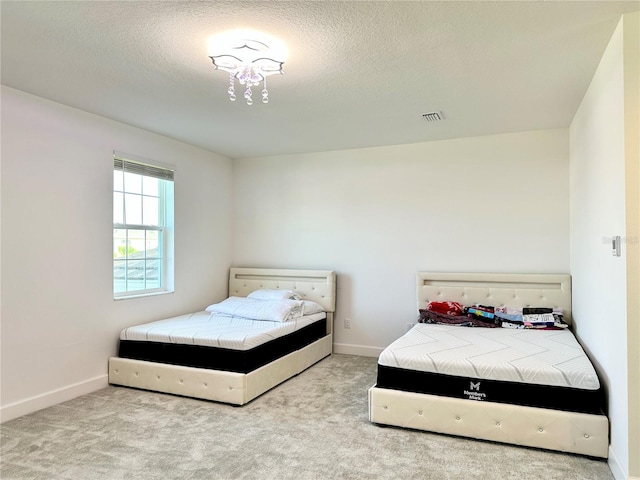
{"x":581,"y":433}
{"x":572,"y":432}
{"x":220,"y":386}
{"x":239,"y":388}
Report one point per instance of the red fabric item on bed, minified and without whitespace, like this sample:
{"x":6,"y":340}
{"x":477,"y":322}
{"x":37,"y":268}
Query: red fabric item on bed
{"x":446,"y":308}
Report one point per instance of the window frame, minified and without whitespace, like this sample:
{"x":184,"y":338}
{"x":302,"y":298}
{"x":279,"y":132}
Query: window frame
{"x":166,"y":174}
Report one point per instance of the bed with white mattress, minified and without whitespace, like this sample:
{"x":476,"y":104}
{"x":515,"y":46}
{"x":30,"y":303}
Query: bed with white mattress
{"x":219,"y":354}
{"x":527,"y":387}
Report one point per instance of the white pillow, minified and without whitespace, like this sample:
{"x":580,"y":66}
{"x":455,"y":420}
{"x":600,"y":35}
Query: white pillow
{"x":309,"y":307}
{"x":281,"y":310}
{"x":277,"y":294}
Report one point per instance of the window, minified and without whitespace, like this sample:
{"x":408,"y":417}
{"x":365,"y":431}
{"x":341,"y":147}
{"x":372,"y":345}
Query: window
{"x":142,"y":228}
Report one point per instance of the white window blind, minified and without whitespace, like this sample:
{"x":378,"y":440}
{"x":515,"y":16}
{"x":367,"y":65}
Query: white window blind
{"x":142,"y":169}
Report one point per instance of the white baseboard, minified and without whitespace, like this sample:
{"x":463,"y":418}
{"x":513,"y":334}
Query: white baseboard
{"x":360,"y":350}
{"x":54,"y":397}
{"x":616,"y":468}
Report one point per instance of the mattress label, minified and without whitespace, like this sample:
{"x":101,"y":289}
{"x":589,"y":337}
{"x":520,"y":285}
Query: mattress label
{"x":474,"y":392}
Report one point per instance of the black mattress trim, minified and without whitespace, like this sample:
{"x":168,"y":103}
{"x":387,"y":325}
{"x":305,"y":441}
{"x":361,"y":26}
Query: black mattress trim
{"x":531,"y":395}
{"x":215,"y":358}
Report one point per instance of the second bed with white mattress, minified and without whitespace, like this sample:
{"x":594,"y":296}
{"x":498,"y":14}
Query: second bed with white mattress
{"x":534,"y":387}
{"x":233,"y":360}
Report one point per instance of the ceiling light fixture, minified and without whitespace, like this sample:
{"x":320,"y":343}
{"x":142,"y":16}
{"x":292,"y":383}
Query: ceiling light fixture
{"x":248,"y":59}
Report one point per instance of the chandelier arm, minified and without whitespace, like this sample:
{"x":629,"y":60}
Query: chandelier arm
{"x":213,"y":57}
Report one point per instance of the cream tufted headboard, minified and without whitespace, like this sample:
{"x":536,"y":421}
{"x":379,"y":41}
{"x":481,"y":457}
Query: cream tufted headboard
{"x":316,"y":285}
{"x":496,"y":289}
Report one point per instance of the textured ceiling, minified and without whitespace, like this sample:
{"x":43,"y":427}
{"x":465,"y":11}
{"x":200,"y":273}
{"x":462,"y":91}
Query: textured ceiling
{"x":358,"y":73}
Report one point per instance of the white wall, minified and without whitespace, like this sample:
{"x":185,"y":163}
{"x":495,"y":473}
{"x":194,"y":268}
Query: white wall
{"x":597,"y":213}
{"x":378,"y":215}
{"x":60,"y":323}
{"x":631,"y":48}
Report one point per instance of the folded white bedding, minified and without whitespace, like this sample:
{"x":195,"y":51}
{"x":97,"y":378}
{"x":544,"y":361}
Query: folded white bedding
{"x":281,"y":310}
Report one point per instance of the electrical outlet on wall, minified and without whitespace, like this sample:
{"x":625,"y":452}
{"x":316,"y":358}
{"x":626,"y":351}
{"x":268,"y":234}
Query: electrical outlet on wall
{"x":347,"y":323}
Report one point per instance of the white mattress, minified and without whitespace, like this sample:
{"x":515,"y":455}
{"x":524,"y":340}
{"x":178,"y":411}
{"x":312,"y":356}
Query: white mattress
{"x":215,"y":330}
{"x":543,"y":357}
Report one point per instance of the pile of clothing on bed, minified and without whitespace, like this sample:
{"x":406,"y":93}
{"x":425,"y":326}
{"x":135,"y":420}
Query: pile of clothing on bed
{"x":454,"y":313}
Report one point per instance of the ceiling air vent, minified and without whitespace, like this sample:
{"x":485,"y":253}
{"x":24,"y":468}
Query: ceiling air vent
{"x":433,"y":116}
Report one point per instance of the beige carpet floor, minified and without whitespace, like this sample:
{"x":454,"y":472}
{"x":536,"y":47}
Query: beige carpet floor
{"x":313,"y":426}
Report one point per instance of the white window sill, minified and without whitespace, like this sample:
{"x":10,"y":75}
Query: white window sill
{"x":140,"y":295}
